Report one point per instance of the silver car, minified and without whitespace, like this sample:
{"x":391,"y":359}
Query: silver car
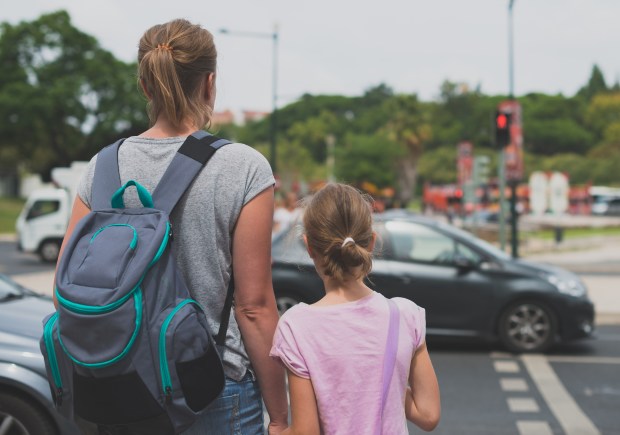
{"x":26,"y":406}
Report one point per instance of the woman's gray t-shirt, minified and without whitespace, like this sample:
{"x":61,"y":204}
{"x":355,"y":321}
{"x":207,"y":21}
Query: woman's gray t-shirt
{"x":203,"y":220}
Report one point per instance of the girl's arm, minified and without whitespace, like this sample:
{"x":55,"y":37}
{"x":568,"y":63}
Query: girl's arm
{"x":255,"y":304}
{"x":422,"y":403}
{"x":304,"y":412}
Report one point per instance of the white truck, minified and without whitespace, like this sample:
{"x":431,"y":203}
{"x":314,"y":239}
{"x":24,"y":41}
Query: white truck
{"x":43,"y":221}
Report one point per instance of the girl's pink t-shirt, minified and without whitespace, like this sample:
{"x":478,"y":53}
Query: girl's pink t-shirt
{"x":341,"y":348}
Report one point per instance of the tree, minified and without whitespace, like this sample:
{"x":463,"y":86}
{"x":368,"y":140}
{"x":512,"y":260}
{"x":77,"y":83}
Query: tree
{"x":363,"y":158}
{"x":63,"y":96}
{"x":596,"y":84}
{"x":407,"y":123}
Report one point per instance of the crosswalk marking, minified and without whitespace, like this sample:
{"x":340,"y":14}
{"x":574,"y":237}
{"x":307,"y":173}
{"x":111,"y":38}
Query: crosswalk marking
{"x":513,"y":384}
{"x":570,"y":416}
{"x":522,"y":404}
{"x":527,"y":427}
{"x":506,"y":366}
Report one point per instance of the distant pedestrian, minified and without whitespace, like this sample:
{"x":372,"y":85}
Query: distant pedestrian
{"x":286,"y":214}
{"x":340,"y":377}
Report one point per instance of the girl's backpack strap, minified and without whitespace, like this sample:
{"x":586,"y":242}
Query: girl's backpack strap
{"x":186,"y":164}
{"x":389,"y":361}
{"x":107,"y":179}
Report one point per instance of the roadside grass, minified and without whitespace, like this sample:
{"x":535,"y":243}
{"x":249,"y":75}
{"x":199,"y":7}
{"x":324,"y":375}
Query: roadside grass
{"x":9,"y":210}
{"x":573,"y":233}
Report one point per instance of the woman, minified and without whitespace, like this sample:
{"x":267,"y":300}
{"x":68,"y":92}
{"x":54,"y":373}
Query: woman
{"x":222,"y":224}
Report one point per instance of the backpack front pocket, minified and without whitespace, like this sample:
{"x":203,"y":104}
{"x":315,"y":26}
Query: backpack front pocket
{"x":58,"y":368}
{"x":96,"y":337}
{"x":190,"y":365}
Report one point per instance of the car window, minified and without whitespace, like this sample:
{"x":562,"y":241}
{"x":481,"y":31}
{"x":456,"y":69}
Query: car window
{"x":42,"y":208}
{"x":289,"y":248}
{"x":410,"y":241}
{"x":7,"y":288}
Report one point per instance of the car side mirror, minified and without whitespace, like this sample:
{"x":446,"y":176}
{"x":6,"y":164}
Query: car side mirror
{"x":464,"y":264}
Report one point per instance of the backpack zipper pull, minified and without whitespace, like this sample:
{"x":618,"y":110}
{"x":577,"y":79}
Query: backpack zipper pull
{"x":59,"y":394}
{"x":168,"y":395}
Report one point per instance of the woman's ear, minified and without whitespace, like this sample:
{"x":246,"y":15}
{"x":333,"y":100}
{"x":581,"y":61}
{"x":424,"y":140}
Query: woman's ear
{"x":310,"y":253}
{"x":209,"y":89}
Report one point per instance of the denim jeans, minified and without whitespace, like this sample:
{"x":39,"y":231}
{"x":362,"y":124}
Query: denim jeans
{"x":237,"y":411}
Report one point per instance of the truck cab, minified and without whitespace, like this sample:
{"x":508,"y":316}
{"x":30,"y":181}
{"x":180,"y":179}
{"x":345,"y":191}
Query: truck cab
{"x":43,"y":221}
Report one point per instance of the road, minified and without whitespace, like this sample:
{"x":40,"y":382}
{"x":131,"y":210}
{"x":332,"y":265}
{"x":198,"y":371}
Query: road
{"x":574,"y":389}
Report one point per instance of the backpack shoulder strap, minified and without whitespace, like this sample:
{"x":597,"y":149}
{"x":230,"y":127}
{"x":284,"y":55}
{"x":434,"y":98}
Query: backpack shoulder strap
{"x":186,"y":164}
{"x":107,"y":179}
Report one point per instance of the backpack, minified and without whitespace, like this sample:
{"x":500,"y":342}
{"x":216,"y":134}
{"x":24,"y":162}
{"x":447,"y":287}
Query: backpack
{"x":128,"y":346}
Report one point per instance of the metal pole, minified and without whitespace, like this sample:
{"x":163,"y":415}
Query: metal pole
{"x":501,"y":175}
{"x":513,"y":184}
{"x":510,"y":52}
{"x":274,"y":84}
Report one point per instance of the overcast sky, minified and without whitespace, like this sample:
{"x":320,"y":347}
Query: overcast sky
{"x":345,"y":46}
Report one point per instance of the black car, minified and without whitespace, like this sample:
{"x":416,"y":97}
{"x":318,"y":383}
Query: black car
{"x":26,"y":406}
{"x":468,"y":287}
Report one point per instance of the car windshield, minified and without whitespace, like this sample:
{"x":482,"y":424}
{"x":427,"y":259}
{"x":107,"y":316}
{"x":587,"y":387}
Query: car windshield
{"x":9,"y":289}
{"x":479,"y":243}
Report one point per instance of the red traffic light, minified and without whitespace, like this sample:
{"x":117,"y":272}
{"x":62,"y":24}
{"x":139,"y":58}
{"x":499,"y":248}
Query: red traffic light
{"x":502,"y":121}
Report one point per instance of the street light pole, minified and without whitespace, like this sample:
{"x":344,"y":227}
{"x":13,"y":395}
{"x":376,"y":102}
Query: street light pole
{"x":274,"y":84}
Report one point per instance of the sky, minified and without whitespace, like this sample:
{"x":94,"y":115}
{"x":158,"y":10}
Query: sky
{"x":345,"y":47}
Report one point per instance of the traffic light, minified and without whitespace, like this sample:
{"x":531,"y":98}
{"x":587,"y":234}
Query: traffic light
{"x":481,"y":169}
{"x":503,"y":120}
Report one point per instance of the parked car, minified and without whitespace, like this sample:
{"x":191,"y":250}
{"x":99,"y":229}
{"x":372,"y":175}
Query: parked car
{"x":26,"y":406}
{"x":468,"y":287}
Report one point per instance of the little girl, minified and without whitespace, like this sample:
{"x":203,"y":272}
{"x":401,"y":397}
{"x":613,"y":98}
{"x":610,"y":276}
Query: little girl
{"x":340,"y":375}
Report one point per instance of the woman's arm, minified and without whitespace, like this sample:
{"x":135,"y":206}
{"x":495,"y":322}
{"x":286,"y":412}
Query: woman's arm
{"x":77,"y":213}
{"x":304,"y":412}
{"x":422,"y":403}
{"x":255,"y":304}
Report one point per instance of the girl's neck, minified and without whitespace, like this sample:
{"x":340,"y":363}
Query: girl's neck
{"x":163,"y":128}
{"x":344,"y":291}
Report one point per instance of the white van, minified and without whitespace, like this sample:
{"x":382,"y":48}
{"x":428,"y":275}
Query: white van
{"x":43,"y":221}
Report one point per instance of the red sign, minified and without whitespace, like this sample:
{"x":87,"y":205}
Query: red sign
{"x":513,"y":152}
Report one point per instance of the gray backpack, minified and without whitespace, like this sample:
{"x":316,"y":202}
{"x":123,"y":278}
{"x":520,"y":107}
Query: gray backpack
{"x":128,"y":347}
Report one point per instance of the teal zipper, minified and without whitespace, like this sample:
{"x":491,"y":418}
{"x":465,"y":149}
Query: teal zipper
{"x":163,"y":360}
{"x":48,"y":332}
{"x":125,"y":351}
{"x":134,"y":241}
{"x":91,"y":309}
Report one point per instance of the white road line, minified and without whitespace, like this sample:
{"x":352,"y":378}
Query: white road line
{"x":570,"y":416}
{"x":585,"y":359}
{"x":506,"y":366}
{"x":513,"y":384}
{"x":522,"y":404}
{"x":534,"y":428}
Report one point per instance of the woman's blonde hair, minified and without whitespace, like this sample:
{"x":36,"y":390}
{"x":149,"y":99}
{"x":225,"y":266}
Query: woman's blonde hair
{"x":174,"y":59}
{"x":332,"y":217}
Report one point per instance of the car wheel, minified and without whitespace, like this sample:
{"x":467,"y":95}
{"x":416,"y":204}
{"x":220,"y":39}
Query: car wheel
{"x":284,"y":301}
{"x":527,"y":327}
{"x":49,"y":250}
{"x":20,"y":417}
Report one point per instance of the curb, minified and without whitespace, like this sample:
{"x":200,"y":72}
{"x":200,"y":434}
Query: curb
{"x":8,"y":237}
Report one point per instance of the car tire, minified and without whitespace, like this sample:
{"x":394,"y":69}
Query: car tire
{"x":286,"y":300}
{"x":19,"y":416}
{"x":527,"y":326}
{"x":49,"y":250}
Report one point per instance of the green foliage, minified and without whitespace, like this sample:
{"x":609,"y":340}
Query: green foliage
{"x":368,"y":158}
{"x":596,"y":84}
{"x":9,"y":210}
{"x":63,"y":96}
